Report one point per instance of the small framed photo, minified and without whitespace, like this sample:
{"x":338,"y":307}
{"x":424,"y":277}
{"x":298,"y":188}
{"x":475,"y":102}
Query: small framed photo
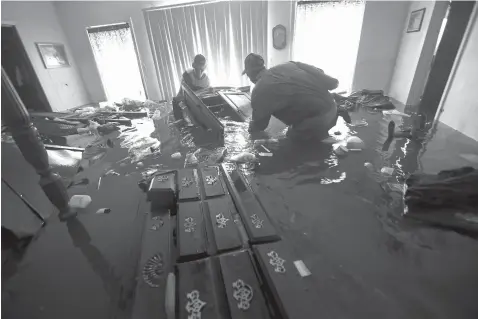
{"x":416,"y":20}
{"x":279,"y":37}
{"x":53,"y":55}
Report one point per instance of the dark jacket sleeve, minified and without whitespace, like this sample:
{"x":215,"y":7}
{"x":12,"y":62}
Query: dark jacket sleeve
{"x":257,"y":125}
{"x":261,"y":110}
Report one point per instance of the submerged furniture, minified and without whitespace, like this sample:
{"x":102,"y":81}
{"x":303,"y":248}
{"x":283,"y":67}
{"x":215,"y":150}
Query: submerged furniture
{"x":224,"y":253}
{"x":201,"y":116}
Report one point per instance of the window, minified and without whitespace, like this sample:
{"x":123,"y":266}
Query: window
{"x":117,"y":61}
{"x":327,"y":35}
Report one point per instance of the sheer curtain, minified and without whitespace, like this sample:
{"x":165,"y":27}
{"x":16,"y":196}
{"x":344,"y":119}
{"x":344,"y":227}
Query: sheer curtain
{"x":117,"y":62}
{"x":224,"y":32}
{"x":327,"y":35}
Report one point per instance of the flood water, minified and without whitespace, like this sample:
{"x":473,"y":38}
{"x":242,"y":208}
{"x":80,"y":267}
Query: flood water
{"x":343,"y":220}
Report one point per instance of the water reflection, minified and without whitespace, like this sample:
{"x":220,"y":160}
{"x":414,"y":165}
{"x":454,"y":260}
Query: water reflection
{"x":112,"y":282}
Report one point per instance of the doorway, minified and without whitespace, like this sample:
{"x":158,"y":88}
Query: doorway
{"x":117,"y":61}
{"x":20,"y":70}
{"x":455,"y":24}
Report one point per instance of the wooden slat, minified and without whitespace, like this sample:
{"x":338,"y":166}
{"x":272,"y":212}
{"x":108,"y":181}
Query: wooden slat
{"x":200,"y":281}
{"x":191,"y":234}
{"x":239,"y":275}
{"x":188,"y":184}
{"x":255,"y":220}
{"x":212,"y":181}
{"x":150,"y":291}
{"x":226,"y":234}
{"x":294,"y":295}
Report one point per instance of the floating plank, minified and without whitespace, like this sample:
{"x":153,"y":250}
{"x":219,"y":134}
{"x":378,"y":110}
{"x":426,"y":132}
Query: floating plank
{"x":226,"y":234}
{"x":191,"y":234}
{"x":212,"y":181}
{"x":188,"y":184}
{"x":255,"y":220}
{"x":200,"y":294}
{"x":162,"y":191}
{"x":154,"y":265}
{"x":293,"y":290}
{"x":243,"y":290}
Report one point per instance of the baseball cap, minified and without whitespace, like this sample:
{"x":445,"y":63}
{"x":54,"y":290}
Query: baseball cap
{"x":253,"y":62}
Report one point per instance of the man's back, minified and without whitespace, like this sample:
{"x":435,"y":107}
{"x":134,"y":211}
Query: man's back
{"x":292,"y":92}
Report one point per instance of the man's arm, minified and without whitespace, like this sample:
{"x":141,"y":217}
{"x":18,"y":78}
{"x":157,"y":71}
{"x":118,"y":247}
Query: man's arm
{"x":257,"y":125}
{"x":261,"y":113}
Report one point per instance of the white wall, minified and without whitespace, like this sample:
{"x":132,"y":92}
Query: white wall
{"x":379,"y":44}
{"x":280,"y":12}
{"x":460,"y":101}
{"x":75,"y":17}
{"x":416,"y":53}
{"x":37,"y":22}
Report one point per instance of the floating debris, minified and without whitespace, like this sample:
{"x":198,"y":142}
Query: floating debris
{"x":266,"y":149}
{"x":112,"y":172}
{"x":395,"y":112}
{"x":79,"y":201}
{"x":387,"y":171}
{"x":355,"y":142}
{"x":176,"y":155}
{"x":244,"y":157}
{"x":103,"y":211}
{"x":140,"y":164}
{"x":265,"y":154}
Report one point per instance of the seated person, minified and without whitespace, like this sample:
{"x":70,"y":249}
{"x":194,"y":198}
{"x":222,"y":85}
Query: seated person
{"x":195,"y":78}
{"x":295,"y":93}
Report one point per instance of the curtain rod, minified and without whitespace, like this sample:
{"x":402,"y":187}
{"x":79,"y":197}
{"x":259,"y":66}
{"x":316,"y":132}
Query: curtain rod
{"x":109,"y":27}
{"x":325,"y":1}
{"x":181,"y":5}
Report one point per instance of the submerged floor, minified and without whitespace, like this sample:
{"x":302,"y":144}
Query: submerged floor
{"x":343,"y":220}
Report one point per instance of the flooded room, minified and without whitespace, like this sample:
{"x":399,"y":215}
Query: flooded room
{"x":239,"y":159}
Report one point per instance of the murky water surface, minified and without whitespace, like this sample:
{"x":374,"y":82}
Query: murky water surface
{"x":343,"y":218}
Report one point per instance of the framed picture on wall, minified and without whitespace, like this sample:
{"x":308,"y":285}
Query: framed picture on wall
{"x":53,"y":55}
{"x":416,"y":20}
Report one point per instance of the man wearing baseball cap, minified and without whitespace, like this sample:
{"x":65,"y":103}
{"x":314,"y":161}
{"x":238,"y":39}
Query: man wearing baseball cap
{"x":195,"y":78}
{"x":295,"y":93}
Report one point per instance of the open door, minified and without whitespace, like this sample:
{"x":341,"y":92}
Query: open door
{"x":457,"y":21}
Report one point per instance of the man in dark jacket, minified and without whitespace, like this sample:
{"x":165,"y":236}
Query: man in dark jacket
{"x":295,"y":93}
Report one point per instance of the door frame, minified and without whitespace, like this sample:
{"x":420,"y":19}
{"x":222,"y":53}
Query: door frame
{"x":29,"y":65}
{"x":459,"y":55}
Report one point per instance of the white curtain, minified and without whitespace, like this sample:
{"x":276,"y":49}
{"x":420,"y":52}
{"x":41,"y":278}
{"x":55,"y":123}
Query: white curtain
{"x":224,"y":32}
{"x":327,"y":35}
{"x":117,"y":62}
